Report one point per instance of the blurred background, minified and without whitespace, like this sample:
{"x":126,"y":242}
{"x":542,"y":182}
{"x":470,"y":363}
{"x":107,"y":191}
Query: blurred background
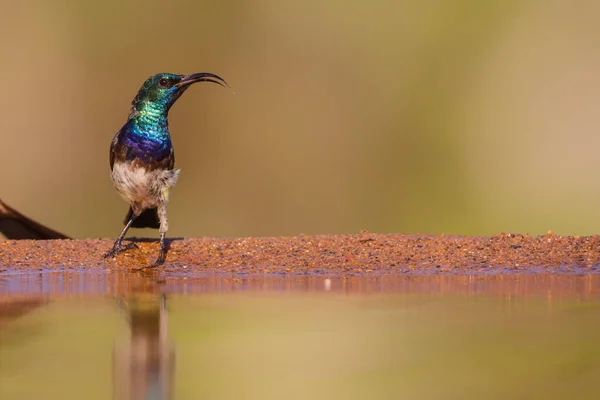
{"x":429,"y":116}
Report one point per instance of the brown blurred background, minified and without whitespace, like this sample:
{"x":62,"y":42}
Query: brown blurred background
{"x":462,"y":117}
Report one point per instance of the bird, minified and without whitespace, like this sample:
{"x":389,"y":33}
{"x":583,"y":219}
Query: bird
{"x":142,"y":157}
{"x":14,"y":225}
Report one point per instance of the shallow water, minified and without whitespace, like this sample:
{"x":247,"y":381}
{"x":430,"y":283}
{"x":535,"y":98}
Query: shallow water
{"x":103,"y":335}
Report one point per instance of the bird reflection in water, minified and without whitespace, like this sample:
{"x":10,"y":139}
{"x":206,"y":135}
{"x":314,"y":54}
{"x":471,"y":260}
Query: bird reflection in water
{"x":14,"y":309}
{"x":144,"y":361}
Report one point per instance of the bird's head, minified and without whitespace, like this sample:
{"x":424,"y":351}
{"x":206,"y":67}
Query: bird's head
{"x":161,"y":91}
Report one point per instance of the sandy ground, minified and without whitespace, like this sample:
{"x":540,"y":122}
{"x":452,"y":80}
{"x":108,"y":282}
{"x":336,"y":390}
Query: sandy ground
{"x":361,"y":254}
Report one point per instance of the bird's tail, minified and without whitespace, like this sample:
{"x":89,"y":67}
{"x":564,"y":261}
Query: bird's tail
{"x":147,"y":219}
{"x":15,"y":225}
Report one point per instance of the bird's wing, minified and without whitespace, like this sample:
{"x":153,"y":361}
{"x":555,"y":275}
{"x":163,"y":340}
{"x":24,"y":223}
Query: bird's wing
{"x":15,"y":225}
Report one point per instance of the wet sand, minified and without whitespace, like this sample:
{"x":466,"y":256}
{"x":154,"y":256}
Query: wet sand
{"x":364,"y":254}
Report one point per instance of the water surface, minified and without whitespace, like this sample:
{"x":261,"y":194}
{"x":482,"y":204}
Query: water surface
{"x":103,"y":335}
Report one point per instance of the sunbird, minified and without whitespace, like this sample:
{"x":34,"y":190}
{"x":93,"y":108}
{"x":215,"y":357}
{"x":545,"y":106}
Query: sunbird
{"x":142,"y":158}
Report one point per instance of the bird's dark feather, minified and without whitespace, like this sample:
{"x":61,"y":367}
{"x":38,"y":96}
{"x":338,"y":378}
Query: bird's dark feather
{"x":147,"y":219}
{"x":15,"y":225}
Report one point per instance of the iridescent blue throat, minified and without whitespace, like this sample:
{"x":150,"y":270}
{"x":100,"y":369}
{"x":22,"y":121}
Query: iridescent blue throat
{"x":149,"y":120}
{"x":147,"y":131}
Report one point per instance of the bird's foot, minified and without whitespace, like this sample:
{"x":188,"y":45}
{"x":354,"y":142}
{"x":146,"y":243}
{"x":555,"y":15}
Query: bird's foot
{"x":156,"y":264}
{"x":118,"y":248}
{"x":159,"y":261}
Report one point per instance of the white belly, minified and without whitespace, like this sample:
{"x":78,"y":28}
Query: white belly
{"x":141,"y":187}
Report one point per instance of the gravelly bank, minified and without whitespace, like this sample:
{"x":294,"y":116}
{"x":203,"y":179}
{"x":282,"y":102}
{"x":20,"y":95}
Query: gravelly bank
{"x":360,"y":254}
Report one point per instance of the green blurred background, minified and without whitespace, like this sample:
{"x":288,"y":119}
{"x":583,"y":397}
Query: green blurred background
{"x":429,"y":116}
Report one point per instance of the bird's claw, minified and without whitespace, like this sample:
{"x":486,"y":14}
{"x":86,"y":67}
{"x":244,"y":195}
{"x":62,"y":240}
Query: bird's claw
{"x":159,"y":261}
{"x":151,"y":266}
{"x":118,"y":248}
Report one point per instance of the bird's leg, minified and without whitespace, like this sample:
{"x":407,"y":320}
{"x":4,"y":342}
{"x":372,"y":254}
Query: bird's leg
{"x":161,"y":251}
{"x":164,"y":226}
{"x":118,"y":246}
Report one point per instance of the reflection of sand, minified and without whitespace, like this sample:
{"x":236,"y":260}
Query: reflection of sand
{"x":77,"y":285}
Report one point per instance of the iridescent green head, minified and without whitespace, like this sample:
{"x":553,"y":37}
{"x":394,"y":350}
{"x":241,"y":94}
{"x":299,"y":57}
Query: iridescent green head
{"x":161,"y":91}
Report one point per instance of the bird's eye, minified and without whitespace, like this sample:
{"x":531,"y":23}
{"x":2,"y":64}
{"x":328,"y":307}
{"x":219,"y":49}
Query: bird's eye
{"x":164,"y":83}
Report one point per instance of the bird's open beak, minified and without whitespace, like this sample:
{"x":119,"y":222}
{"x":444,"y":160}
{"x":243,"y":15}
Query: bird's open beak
{"x":201,"y":77}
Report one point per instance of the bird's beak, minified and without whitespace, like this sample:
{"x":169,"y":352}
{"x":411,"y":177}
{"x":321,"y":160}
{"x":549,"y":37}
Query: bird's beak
{"x":201,"y":77}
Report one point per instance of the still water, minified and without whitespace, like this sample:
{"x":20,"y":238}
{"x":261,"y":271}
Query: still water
{"x":121,"y":336}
